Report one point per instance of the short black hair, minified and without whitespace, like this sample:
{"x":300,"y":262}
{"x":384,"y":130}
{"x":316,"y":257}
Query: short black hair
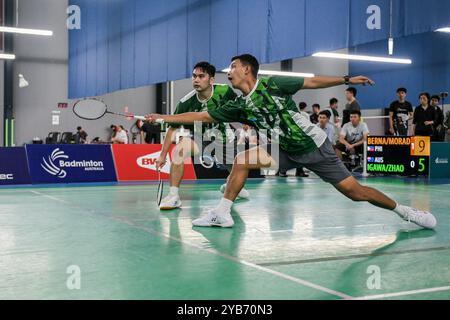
{"x":333,"y":101}
{"x":352,"y":90}
{"x":436,"y":97}
{"x":206,"y":67}
{"x":316,"y":105}
{"x":79,"y":128}
{"x":249,"y":60}
{"x":356,"y":112}
{"x":426,"y":94}
{"x":402,"y":90}
{"x":325,"y":113}
{"x":302,"y":105}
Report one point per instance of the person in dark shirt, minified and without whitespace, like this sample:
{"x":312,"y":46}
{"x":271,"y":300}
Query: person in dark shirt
{"x":81,"y":136}
{"x":315,"y":116}
{"x":352,"y":104}
{"x":424,"y":117}
{"x":439,"y":130}
{"x":400,"y":111}
{"x":152,"y":132}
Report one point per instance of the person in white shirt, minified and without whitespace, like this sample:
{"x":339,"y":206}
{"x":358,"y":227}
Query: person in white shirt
{"x":121,"y":136}
{"x":325,"y":125}
{"x":353,"y":135}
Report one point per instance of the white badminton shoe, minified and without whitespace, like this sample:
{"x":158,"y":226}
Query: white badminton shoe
{"x":421,"y":218}
{"x":212,"y":219}
{"x":170,"y":202}
{"x":244,"y":194}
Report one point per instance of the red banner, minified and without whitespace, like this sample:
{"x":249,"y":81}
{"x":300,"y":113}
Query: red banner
{"x":137,"y":162}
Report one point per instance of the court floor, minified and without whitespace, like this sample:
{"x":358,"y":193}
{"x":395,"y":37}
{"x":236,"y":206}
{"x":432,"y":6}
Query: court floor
{"x":295,"y":239}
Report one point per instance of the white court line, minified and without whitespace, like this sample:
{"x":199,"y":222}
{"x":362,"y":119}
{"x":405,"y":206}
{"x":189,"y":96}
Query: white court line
{"x":240,"y":261}
{"x":403,"y":293}
{"x":217,"y":253}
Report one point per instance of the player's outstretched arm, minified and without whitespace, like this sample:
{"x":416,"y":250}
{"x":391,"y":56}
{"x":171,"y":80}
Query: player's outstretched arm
{"x":321,"y":82}
{"x":184,"y":118}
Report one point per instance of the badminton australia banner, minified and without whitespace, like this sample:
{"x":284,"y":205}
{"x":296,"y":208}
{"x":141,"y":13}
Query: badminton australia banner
{"x":13,"y":166}
{"x":70,"y":163}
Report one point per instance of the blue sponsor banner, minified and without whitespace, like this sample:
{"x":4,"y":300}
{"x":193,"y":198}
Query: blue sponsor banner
{"x":13,"y":166}
{"x":70,"y":163}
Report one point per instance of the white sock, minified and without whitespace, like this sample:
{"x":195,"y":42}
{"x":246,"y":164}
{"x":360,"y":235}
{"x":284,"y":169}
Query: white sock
{"x":224,"y":207}
{"x":173,"y":191}
{"x":400,"y":209}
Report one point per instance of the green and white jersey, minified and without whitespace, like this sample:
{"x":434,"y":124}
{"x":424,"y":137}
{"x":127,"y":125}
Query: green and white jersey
{"x":270,"y":106}
{"x":221,"y":94}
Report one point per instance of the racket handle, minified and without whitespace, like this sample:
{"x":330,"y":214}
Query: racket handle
{"x":160,"y":121}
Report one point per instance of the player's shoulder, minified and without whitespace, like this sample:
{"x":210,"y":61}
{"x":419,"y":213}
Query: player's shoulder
{"x":191,"y":95}
{"x":221,"y":86}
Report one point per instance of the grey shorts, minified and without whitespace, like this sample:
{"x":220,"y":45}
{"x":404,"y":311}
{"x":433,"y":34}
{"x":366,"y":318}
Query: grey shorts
{"x":323,"y":162}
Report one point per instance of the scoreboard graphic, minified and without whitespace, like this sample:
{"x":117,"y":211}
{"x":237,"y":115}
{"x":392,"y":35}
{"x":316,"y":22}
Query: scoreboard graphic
{"x":407,"y":156}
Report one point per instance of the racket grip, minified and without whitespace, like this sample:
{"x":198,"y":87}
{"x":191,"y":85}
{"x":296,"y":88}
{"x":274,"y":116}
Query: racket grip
{"x":160,"y":121}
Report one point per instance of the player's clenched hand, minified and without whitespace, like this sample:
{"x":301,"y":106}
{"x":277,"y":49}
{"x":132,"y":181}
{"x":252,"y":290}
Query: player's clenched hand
{"x":152,"y":118}
{"x":361,"y":80}
{"x":160,"y":162}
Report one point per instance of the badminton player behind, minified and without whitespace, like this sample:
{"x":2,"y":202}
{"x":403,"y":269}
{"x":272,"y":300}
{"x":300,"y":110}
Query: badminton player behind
{"x":205,"y":97}
{"x":267,"y":104}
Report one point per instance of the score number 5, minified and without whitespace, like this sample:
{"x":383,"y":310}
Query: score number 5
{"x":421,"y":164}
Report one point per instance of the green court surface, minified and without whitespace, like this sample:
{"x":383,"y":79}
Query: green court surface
{"x":294,"y":239}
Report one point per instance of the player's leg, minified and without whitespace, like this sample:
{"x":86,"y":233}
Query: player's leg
{"x":226,"y":161}
{"x":351,"y":188}
{"x":184,"y":149}
{"x":328,"y":167}
{"x":220,"y":216}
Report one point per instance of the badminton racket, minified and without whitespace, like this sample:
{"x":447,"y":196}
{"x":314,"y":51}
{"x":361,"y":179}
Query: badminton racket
{"x":93,"y":109}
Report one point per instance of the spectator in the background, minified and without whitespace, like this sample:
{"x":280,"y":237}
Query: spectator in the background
{"x":120,"y":136}
{"x":302,"y":108}
{"x":81,"y":136}
{"x":352,"y":104}
{"x":353,"y":135}
{"x":424,"y":117}
{"x":325,"y":125}
{"x":333,"y":108}
{"x":151,"y":132}
{"x":314,"y":118}
{"x":335,"y":120}
{"x":113,"y":128}
{"x":439,"y":131}
{"x":400,"y":111}
{"x":447,"y":126}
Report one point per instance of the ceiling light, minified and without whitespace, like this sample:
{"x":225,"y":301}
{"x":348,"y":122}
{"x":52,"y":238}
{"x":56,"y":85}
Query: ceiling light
{"x":360,"y":57}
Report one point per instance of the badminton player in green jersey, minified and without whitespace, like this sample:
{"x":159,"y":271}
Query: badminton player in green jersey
{"x":206,"y":96}
{"x":267,"y":104}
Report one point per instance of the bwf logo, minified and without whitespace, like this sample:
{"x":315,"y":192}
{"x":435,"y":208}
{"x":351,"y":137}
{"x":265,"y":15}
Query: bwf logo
{"x":149,"y":162}
{"x":50,"y":166}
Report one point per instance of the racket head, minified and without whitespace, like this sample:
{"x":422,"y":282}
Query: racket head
{"x":90,"y":109}
{"x":160,"y":189}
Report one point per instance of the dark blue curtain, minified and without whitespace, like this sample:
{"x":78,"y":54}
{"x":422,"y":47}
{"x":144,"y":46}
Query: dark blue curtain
{"x":430,"y":71}
{"x":130,"y":43}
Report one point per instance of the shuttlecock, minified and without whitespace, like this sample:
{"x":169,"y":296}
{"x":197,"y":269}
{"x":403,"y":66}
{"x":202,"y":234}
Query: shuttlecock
{"x":22,"y":81}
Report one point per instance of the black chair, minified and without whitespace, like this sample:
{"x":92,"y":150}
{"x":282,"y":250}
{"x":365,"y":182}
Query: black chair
{"x":66,"y":138}
{"x":52,"y":138}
